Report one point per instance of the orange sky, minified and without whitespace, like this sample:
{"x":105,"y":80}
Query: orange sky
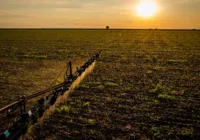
{"x":96,"y":14}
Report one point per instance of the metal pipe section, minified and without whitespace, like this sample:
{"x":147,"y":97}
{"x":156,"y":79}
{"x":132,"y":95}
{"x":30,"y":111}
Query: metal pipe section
{"x":30,"y":117}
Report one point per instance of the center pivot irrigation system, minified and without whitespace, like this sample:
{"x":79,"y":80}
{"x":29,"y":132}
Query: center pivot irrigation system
{"x":26,"y":117}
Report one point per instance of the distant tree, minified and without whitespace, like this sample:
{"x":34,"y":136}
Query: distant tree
{"x":107,"y":27}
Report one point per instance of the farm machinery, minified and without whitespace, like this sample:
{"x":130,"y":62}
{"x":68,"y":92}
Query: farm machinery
{"x":24,"y":117}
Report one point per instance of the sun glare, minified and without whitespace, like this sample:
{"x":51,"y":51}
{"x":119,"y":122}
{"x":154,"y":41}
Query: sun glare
{"x":146,"y":9}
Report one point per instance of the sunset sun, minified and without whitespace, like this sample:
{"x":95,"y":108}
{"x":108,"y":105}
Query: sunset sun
{"x":146,"y":9}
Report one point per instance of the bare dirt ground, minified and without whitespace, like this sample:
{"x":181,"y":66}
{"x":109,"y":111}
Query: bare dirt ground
{"x":146,"y":85}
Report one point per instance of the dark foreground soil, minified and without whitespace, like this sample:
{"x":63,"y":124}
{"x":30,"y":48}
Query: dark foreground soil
{"x":146,"y":87}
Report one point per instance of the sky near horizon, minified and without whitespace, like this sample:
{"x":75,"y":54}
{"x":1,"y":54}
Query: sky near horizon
{"x":97,"y":14}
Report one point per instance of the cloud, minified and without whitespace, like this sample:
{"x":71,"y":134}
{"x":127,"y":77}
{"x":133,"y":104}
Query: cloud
{"x":12,"y":15}
{"x":86,"y":12}
{"x":179,"y":3}
{"x":69,"y":4}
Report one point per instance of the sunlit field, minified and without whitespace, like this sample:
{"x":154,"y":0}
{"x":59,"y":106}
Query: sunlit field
{"x":145,"y":85}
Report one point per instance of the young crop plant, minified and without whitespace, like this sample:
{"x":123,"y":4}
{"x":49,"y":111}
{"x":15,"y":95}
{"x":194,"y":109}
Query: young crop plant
{"x":185,"y":133}
{"x":62,"y":109}
{"x":154,"y":59}
{"x":83,"y":86}
{"x":165,"y":96}
{"x":149,"y":72}
{"x":86,"y":104}
{"x":101,"y":87}
{"x":110,"y":84}
{"x":177,"y":61}
{"x":91,"y":121}
{"x":158,"y":88}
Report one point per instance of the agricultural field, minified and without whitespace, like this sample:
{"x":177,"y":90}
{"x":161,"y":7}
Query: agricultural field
{"x":145,"y":85}
{"x":31,"y":59}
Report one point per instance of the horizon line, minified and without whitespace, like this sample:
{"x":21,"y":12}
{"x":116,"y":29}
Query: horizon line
{"x":101,"y":28}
